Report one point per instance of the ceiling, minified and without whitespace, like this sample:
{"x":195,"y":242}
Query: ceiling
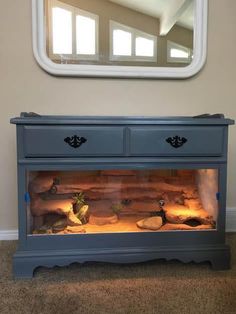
{"x":187,"y":19}
{"x":159,"y":8}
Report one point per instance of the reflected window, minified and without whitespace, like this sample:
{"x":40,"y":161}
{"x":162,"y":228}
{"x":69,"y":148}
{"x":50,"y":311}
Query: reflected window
{"x":144,"y":47}
{"x":85,"y":35}
{"x":61,"y":31}
{"x":130,"y":44}
{"x":122,"y":43}
{"x":73,"y":33}
{"x":177,"y":53}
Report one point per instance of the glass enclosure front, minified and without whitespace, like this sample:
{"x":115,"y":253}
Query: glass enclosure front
{"x":109,"y":201}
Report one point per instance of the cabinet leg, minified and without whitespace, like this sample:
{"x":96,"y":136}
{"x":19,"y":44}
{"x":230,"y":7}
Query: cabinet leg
{"x":22,"y":269}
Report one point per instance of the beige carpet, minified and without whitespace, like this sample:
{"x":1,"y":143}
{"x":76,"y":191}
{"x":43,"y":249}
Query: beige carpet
{"x":153,"y":287}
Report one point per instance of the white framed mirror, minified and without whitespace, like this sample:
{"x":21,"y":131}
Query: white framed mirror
{"x":120,"y":38}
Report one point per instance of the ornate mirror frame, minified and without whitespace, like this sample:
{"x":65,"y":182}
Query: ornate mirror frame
{"x":81,"y":70}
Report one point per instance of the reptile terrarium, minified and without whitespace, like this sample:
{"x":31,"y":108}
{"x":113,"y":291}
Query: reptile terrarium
{"x":121,"y":189}
{"x":101,"y":201}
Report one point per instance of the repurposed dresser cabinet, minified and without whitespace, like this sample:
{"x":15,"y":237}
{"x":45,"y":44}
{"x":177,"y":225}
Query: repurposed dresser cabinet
{"x":150,"y":160}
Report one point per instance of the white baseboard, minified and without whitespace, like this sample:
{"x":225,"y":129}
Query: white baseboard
{"x":230,"y":226}
{"x":6,"y":235}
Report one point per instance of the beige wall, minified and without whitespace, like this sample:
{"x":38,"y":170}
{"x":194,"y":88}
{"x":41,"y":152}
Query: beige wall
{"x":26,"y":87}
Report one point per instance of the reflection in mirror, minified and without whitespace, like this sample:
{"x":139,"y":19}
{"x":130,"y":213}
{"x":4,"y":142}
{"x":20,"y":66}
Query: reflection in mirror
{"x":150,"y":33}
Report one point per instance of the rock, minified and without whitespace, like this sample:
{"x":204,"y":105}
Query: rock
{"x":72,"y":220}
{"x":43,"y":230}
{"x":178,"y":214}
{"x":41,"y":207}
{"x":193,"y":203}
{"x":41,"y":183}
{"x":103,"y":218}
{"x":169,"y":226}
{"x":152,"y":223}
{"x":59,"y":225}
{"x":75,"y":229}
{"x":61,"y":207}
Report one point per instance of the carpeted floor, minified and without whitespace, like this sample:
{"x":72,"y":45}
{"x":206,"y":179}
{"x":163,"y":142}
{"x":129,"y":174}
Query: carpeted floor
{"x":153,"y":287}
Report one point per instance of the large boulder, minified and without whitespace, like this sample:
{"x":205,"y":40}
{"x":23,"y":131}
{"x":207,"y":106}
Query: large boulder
{"x":178,"y":214}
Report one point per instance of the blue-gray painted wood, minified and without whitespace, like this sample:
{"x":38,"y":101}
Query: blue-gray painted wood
{"x":49,"y":141}
{"x":25,"y":262}
{"x":113,"y":120}
{"x":134,"y":162}
{"x":114,"y":143}
{"x":200,"y":141}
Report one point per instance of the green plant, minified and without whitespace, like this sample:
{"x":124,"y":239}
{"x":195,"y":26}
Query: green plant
{"x":80,"y":209}
{"x":79,"y":201}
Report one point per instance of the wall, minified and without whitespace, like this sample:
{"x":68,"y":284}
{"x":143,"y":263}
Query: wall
{"x":26,"y":87}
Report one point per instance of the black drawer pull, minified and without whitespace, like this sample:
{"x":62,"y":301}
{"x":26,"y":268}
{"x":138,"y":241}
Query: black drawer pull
{"x":176,"y":141}
{"x":75,"y":141}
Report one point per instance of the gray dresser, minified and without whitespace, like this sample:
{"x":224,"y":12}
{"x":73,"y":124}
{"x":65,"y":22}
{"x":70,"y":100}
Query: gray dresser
{"x":68,"y":143}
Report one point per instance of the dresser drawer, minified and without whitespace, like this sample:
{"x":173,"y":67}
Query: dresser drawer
{"x":72,"y":141}
{"x":176,"y":141}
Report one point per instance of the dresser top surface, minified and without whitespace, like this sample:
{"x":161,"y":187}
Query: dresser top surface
{"x":35,"y":119}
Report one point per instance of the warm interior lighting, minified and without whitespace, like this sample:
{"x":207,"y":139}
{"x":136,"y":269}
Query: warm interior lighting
{"x":123,"y":201}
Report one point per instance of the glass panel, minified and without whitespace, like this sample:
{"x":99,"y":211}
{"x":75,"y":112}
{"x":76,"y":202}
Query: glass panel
{"x":144,"y":47}
{"x":178,"y":53}
{"x":122,"y":43}
{"x":62,"y":31}
{"x":85,"y":35}
{"x":110,"y":201}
